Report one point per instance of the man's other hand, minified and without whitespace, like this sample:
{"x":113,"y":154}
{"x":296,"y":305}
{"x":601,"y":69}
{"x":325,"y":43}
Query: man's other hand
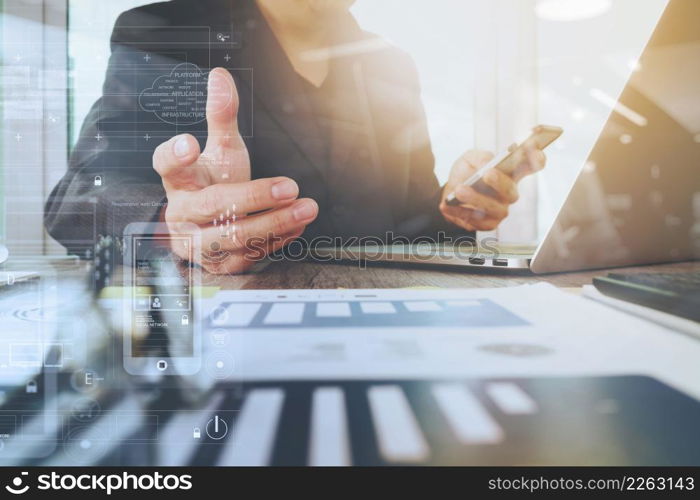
{"x":481,"y":212}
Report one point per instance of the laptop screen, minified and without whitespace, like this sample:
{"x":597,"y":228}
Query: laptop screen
{"x":637,"y":198}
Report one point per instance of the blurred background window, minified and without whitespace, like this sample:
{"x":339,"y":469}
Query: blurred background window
{"x":489,"y":71}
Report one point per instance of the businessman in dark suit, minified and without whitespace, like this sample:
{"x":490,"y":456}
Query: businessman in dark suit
{"x":333,"y":140}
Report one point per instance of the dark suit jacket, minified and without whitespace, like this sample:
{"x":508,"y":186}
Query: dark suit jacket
{"x":379,"y":174}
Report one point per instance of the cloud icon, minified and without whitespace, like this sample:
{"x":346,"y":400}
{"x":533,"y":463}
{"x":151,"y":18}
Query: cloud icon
{"x":179,"y":98}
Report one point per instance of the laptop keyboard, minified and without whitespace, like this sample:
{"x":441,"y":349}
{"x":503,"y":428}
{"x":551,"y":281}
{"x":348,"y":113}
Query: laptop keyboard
{"x":676,"y":293}
{"x":680,"y":283}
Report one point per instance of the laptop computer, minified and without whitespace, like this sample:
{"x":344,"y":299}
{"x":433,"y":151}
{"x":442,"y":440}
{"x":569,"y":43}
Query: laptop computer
{"x":637,"y":197}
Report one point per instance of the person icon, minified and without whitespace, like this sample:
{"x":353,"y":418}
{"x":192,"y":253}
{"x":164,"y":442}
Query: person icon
{"x":156,"y":303}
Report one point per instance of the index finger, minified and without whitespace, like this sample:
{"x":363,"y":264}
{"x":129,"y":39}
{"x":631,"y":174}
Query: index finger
{"x":534,"y":161}
{"x":503,"y":184}
{"x":174,"y":159}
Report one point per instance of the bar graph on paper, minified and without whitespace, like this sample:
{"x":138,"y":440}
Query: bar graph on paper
{"x":527,"y":421}
{"x":363,"y":313}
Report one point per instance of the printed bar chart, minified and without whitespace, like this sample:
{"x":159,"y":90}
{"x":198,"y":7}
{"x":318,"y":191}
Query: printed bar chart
{"x":363,"y":313}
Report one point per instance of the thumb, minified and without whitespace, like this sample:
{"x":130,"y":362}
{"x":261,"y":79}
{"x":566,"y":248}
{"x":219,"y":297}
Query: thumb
{"x":222,"y":110}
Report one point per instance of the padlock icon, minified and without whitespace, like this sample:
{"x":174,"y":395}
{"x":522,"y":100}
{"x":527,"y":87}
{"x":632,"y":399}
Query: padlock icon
{"x":185,"y":320}
{"x":196,"y":433}
{"x":98,"y":180}
{"x":32,"y":387}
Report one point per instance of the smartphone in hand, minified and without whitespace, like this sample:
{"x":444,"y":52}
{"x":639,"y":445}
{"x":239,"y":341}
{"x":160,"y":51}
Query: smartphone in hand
{"x":541,"y":137}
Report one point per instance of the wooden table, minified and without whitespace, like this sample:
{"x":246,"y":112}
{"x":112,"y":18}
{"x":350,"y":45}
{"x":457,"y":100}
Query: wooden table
{"x":289,"y":275}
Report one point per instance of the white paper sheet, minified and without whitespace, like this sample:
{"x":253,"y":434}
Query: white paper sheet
{"x":529,"y":330}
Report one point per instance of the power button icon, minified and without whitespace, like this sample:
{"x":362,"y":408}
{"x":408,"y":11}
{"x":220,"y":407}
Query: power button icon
{"x":217,"y":428}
